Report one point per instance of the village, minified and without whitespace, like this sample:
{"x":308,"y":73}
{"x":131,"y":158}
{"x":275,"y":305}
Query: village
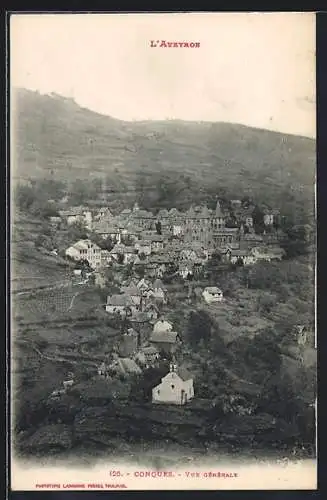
{"x":144,"y":253}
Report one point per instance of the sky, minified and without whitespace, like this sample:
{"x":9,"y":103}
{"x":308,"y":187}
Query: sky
{"x":257,"y":69}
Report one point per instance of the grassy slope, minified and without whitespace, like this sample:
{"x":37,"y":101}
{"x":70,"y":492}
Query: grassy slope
{"x":56,"y":134}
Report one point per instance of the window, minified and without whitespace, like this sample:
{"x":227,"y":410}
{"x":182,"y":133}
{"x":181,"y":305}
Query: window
{"x":172,"y":386}
{"x":158,"y":391}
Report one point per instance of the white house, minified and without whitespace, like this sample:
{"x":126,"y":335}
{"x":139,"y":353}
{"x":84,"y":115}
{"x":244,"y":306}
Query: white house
{"x":162,"y":326}
{"x":175,"y":388}
{"x":85,"y":250}
{"x":177,"y":229}
{"x":212,"y":294}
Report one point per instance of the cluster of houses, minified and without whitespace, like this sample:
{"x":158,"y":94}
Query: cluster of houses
{"x":146,"y":299}
{"x":133,"y":355}
{"x":143,"y":296}
{"x":172,"y":238}
{"x":210,"y":227}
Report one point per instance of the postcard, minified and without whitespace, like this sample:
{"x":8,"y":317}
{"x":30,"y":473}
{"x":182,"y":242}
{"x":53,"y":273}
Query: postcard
{"x":163,"y":251}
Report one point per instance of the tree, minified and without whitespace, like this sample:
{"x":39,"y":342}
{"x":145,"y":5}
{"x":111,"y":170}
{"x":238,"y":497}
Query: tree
{"x":43,"y":241}
{"x":24,"y":196}
{"x":214,"y":265}
{"x":77,"y":231}
{"x":258,"y":220}
{"x":266,"y":301}
{"x":52,"y":188}
{"x":199,"y":327}
{"x":297,"y":240}
{"x":120,"y":258}
{"x":104,"y":244}
{"x":79,"y":192}
{"x":263,"y":355}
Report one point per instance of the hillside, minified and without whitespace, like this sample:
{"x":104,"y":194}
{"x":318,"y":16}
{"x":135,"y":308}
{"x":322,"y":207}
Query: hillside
{"x":56,"y":137}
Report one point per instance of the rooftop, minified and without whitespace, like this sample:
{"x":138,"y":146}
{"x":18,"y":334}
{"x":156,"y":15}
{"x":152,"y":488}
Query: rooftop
{"x":120,"y":248}
{"x":213,"y":289}
{"x":127,"y":365}
{"x":164,"y":337}
{"x":119,"y":300}
{"x":84,"y":245}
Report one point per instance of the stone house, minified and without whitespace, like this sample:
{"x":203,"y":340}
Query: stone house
{"x":85,"y":250}
{"x":224,"y":236}
{"x":134,"y":293}
{"x":147,"y":355}
{"x":121,"y":304}
{"x":167,"y":342}
{"x":175,"y":388}
{"x":233,"y":255}
{"x":162,"y":326}
{"x":212,"y":294}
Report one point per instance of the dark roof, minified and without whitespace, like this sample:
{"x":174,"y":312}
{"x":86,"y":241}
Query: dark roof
{"x":149,"y":350}
{"x":184,"y":374}
{"x":139,"y":317}
{"x":119,"y":300}
{"x":143,"y":214}
{"x":166,"y":337}
{"x":131,"y":290}
{"x":240,"y":253}
{"x":127,"y":365}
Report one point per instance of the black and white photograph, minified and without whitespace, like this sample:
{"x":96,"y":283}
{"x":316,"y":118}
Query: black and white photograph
{"x":163,"y":251}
